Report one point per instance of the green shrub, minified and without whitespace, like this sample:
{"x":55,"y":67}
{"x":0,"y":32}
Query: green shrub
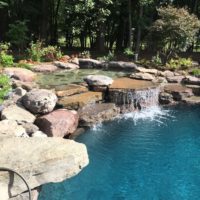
{"x":35,"y":51}
{"x":179,"y":63}
{"x":39,"y":53}
{"x":23,"y":65}
{"x":195,"y":72}
{"x":128,"y":52}
{"x":4,"y":87}
{"x":109,"y":57}
{"x":156,"y":59}
{"x":6,"y":60}
{"x":85,"y":54}
{"x":51,"y":53}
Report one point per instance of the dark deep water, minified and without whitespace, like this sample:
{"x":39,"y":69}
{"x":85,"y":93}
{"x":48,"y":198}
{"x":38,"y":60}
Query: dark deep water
{"x":142,"y":157}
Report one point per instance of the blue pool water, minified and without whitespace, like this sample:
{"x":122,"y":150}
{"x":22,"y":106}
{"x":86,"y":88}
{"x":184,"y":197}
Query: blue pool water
{"x":146,"y":156}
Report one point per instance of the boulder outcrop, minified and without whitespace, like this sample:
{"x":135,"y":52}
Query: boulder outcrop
{"x":89,"y":63}
{"x":39,"y":161}
{"x":46,"y":67}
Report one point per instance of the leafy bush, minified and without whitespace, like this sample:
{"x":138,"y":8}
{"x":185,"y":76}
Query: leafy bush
{"x":85,"y":54}
{"x":128,"y":52}
{"x":156,"y":59}
{"x":23,"y":65}
{"x":51,"y":53}
{"x":35,"y":51}
{"x":195,"y":72}
{"x":175,"y":30}
{"x":109,"y":57}
{"x":5,"y":59}
{"x":179,"y":63}
{"x":39,"y":53}
{"x":4,"y":87}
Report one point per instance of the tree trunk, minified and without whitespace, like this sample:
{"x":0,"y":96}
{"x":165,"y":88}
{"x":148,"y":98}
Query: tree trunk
{"x":139,"y":31}
{"x":130,"y":24}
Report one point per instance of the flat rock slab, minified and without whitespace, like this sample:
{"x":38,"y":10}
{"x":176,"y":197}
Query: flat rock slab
{"x":16,"y":113}
{"x":179,"y":92}
{"x":97,"y":113}
{"x":68,"y":90}
{"x":131,"y":84}
{"x":191,"y":80}
{"x":20,"y":74}
{"x":175,"y":79}
{"x":142,"y":76}
{"x":146,"y":70}
{"x":39,"y":161}
{"x":80,"y":100}
{"x":195,"y":89}
{"x":192,"y":100}
{"x":44,"y":67}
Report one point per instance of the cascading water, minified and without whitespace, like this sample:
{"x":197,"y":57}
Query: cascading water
{"x":130,"y":100}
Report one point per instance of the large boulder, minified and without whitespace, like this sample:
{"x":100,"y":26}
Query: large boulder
{"x":89,"y":63}
{"x":39,"y":161}
{"x":67,"y":65}
{"x":120,"y":65}
{"x":39,"y":101}
{"x":142,"y":76}
{"x":58,"y":123}
{"x":21,"y":74}
{"x":45,"y":67}
{"x":79,"y":100}
{"x":98,"y":80}
{"x":10,"y":128}
{"x":191,"y":80}
{"x":16,"y":113}
{"x":97,"y":113}
{"x":68,"y":90}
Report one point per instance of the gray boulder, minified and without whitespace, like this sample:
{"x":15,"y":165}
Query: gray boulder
{"x":89,"y":63}
{"x":191,"y":80}
{"x":120,"y":65}
{"x":66,"y":65}
{"x":39,"y":101}
{"x":98,"y":80}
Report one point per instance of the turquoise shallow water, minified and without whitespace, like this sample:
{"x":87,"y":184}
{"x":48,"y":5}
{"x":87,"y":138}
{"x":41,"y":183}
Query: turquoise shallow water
{"x":64,"y":77}
{"x":145,"y":156}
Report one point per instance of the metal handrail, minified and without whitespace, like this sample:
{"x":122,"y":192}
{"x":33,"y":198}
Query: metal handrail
{"x":11,"y":170}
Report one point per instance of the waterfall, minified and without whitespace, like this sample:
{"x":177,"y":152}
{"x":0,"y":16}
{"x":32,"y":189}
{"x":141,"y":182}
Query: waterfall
{"x":130,"y":100}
